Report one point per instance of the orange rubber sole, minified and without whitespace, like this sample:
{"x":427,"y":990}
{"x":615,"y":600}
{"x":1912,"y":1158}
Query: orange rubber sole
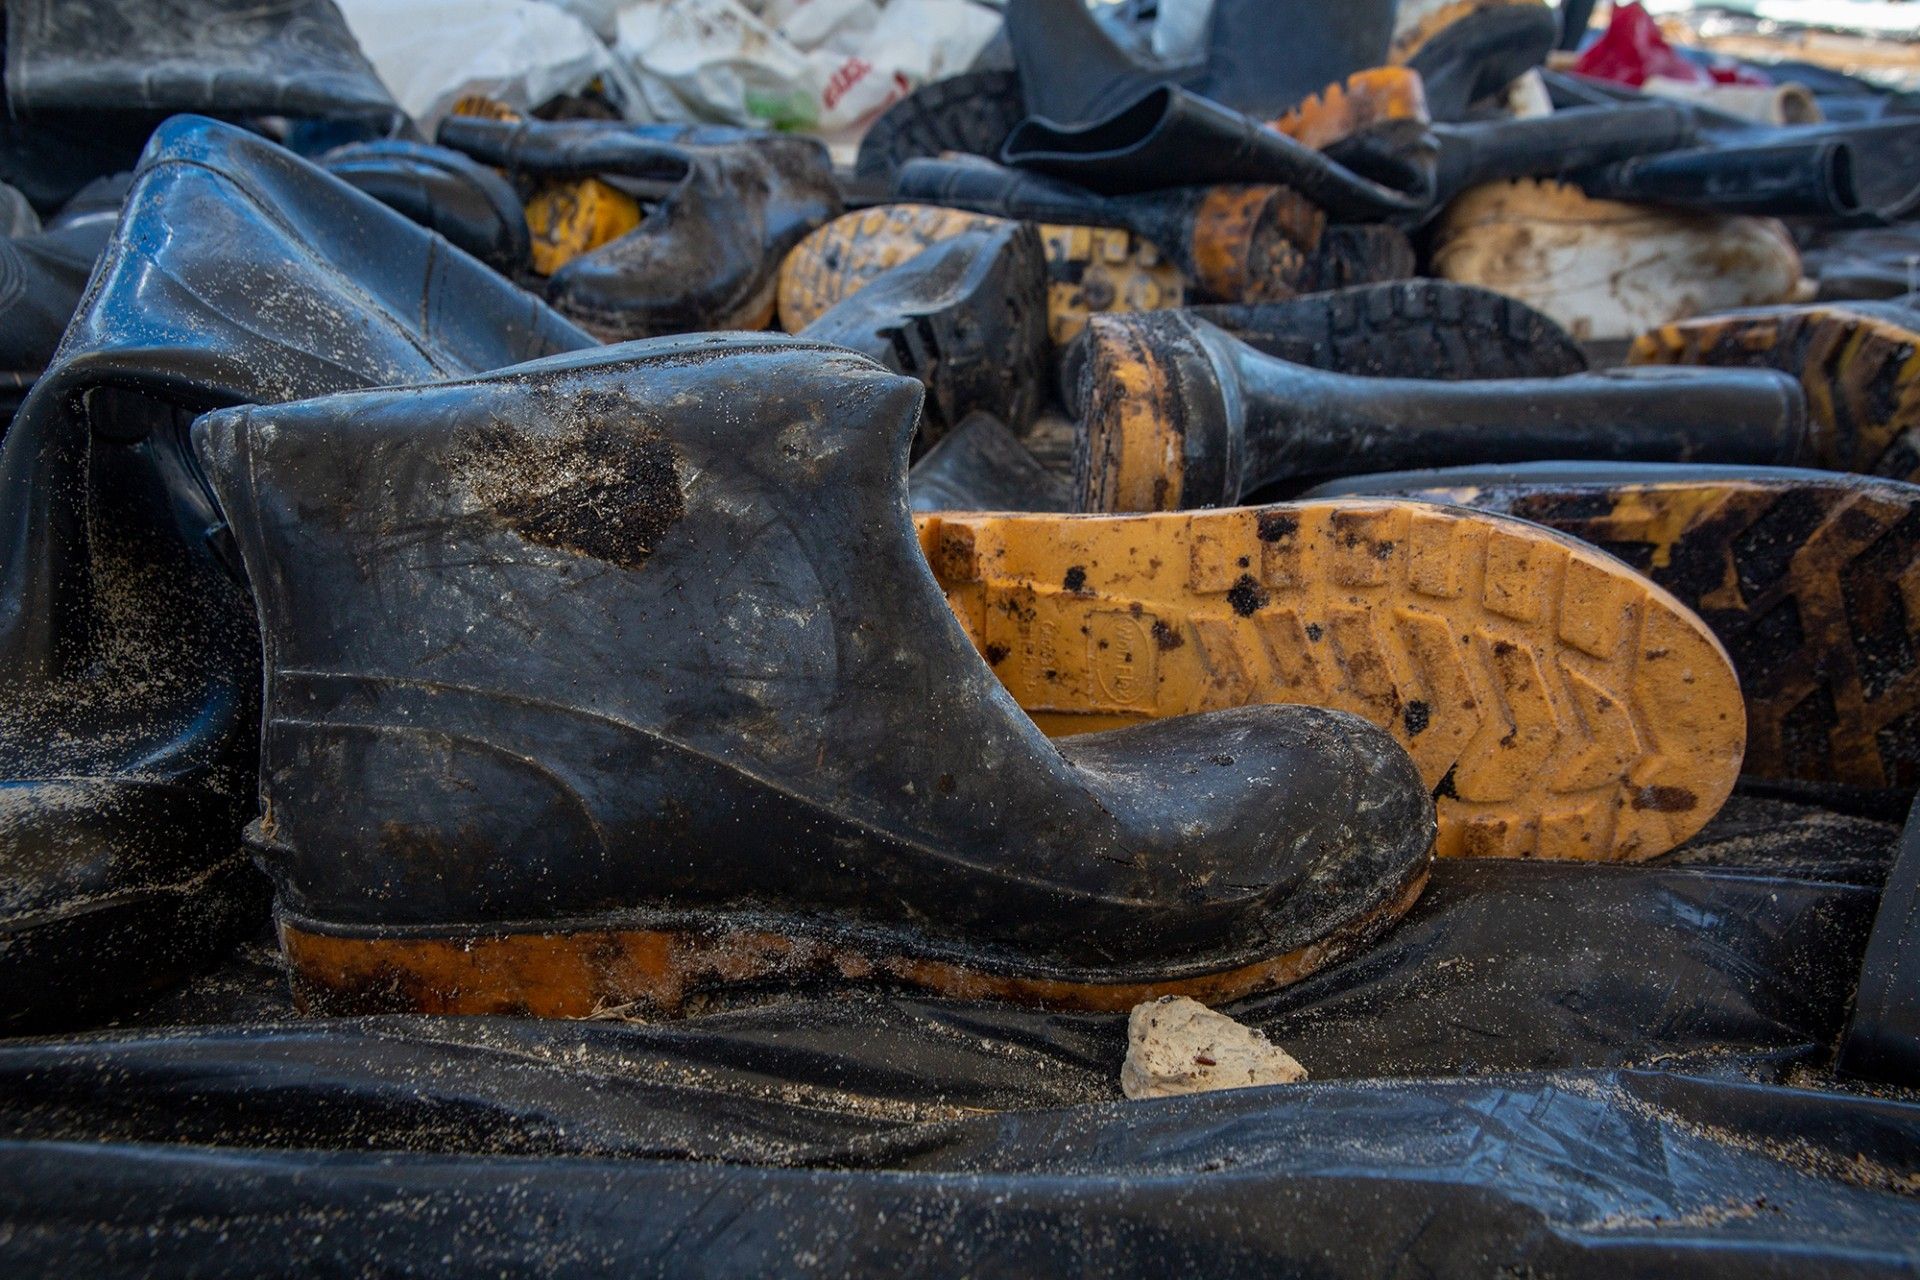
{"x":569,"y":219}
{"x":1560,"y":705}
{"x":1365,"y":99}
{"x":671,"y":973}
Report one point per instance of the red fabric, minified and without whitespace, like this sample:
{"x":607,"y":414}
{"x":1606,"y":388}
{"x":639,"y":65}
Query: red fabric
{"x":1632,"y":49}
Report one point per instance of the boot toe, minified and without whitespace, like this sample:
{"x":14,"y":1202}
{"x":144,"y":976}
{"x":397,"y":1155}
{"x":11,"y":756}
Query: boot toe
{"x":1296,"y":821}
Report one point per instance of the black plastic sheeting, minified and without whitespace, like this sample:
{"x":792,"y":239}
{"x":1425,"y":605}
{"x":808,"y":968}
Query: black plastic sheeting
{"x":1544,"y":1070}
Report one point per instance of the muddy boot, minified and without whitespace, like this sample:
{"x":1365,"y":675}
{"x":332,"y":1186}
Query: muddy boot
{"x":443,"y":191}
{"x":230,"y":58}
{"x":1427,"y":329}
{"x":708,"y":254}
{"x":1797,"y":572}
{"x":1088,"y":269}
{"x":1859,"y":363}
{"x":982,"y":466}
{"x":1558,"y":704}
{"x":1232,"y":243}
{"x":483,"y":804}
{"x":1180,"y":415}
{"x":1467,"y":50}
{"x":1168,"y":137}
{"x":129,"y":657}
{"x":1253,"y":60}
{"x":1375,"y":122}
{"x":1606,"y":270}
{"x":968,"y":318}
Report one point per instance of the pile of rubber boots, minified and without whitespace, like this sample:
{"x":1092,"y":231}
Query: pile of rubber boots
{"x":542,"y":676}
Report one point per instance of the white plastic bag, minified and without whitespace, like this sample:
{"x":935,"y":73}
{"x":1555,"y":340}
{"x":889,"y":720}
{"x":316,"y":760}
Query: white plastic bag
{"x":521,"y":52}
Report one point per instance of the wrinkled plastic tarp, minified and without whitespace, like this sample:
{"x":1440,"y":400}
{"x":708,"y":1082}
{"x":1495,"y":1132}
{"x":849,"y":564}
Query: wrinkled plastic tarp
{"x":1544,"y":1070}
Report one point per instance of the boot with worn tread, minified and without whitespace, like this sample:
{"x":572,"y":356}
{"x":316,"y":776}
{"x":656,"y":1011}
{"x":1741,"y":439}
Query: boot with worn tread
{"x":1806,"y":576}
{"x":1560,"y":705}
{"x":481,"y":803}
{"x":1858,"y":361}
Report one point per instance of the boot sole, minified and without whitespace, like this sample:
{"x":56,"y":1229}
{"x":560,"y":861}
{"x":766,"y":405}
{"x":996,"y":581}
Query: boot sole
{"x":674,"y":971}
{"x":1812,"y":584}
{"x":1496,"y":40}
{"x":1560,"y":705}
{"x":972,"y":113}
{"x":1364,"y":100}
{"x":1861,"y":372}
{"x":1089,"y":269}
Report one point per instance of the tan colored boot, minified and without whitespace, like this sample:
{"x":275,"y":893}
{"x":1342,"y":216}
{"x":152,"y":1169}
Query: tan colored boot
{"x":1607,"y":270}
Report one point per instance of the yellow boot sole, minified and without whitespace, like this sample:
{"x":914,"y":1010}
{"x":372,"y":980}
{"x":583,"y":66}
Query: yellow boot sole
{"x":1560,"y":705}
{"x":1089,"y":269}
{"x":1860,"y":370}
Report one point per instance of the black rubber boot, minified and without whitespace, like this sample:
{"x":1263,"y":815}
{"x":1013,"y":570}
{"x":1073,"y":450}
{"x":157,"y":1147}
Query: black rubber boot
{"x":1428,"y":329}
{"x":442,"y":190}
{"x":1474,"y":49}
{"x":129,"y":658}
{"x":1232,"y":243}
{"x":44,"y":276}
{"x":220,"y":57}
{"x":1882,"y":1039}
{"x":708,"y":254}
{"x":1260,"y":57}
{"x":967,"y":317}
{"x":1168,"y":137}
{"x":1181,"y":415}
{"x":481,"y":802}
{"x":1797,"y":571}
{"x":1556,"y":145}
{"x":982,"y":466}
{"x":1865,"y":172}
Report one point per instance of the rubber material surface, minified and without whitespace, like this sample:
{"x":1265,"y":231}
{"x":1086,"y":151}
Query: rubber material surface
{"x":1561,"y":705}
{"x":1859,"y":364}
{"x":972,"y":112}
{"x":1089,"y":269}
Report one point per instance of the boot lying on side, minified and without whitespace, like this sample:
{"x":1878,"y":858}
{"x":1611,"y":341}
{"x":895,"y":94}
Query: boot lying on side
{"x":1798,"y":572}
{"x":1232,"y":243}
{"x":1179,"y":415}
{"x":1855,"y":360}
{"x":443,"y":191}
{"x":220,"y":57}
{"x":968,"y":318}
{"x":1424,"y":329}
{"x":1089,"y":269}
{"x":1558,"y":704}
{"x":618,"y":680}
{"x":708,"y":253}
{"x":1168,"y":137}
{"x":129,"y":657}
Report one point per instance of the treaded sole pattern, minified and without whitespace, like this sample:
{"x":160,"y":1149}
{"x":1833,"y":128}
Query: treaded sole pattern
{"x":570,"y":218}
{"x":1560,"y":705}
{"x":1861,"y":371}
{"x":972,"y":113}
{"x":669,"y":973}
{"x":1813,"y":588}
{"x":1370,"y":97}
{"x":1089,"y":269}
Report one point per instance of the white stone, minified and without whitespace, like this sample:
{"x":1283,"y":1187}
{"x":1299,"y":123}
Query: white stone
{"x":1176,"y":1045}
